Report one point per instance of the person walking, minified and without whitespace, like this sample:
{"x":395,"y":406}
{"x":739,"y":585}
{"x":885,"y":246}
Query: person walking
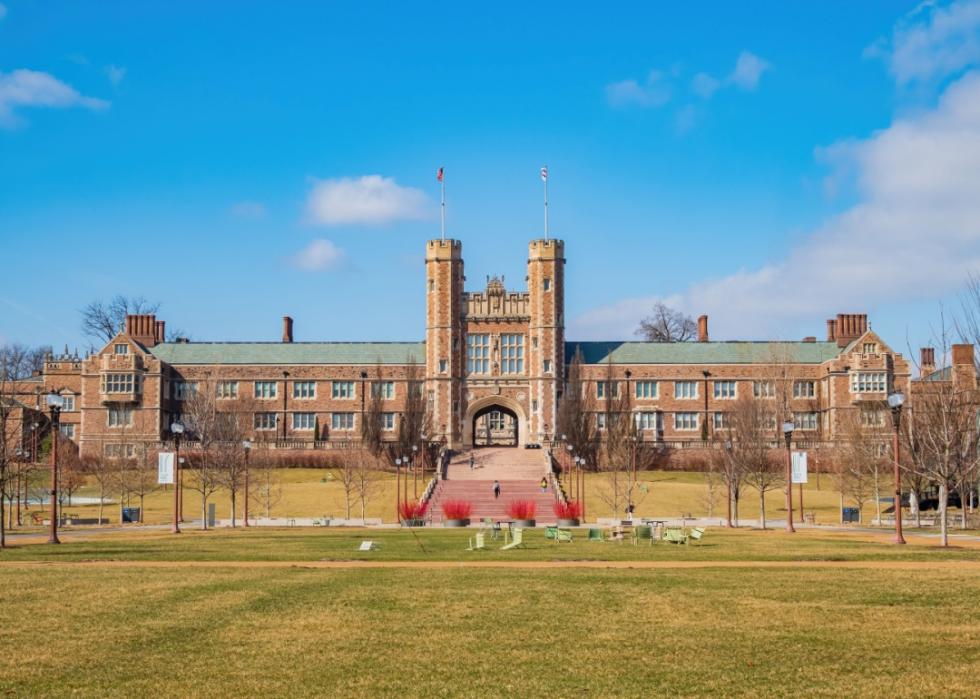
{"x":544,"y":484}
{"x":471,"y":462}
{"x":496,"y":489}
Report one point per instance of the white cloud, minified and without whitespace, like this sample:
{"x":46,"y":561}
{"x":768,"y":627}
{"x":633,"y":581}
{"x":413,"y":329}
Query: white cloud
{"x":115,"y":74}
{"x":932,"y":42}
{"x":318,"y":256}
{"x":914,"y":233}
{"x":704,"y":85}
{"x":31,"y":88}
{"x":371,"y":199}
{"x":3,"y":10}
{"x":248,"y":209}
{"x":655,"y":92}
{"x":748,"y":69}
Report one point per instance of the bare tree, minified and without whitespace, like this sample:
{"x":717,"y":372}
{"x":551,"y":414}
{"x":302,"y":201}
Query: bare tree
{"x":348,"y":466}
{"x":576,"y":413}
{"x":268,"y":482}
{"x":713,"y":480}
{"x":102,"y":470}
{"x":141,"y":478}
{"x":618,"y":443}
{"x":205,"y":424}
{"x":749,"y":445}
{"x":103,"y":320}
{"x":665,"y":324}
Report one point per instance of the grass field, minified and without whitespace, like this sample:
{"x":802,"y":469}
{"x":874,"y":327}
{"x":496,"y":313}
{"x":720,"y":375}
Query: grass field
{"x":318,"y":493}
{"x":251,"y":614}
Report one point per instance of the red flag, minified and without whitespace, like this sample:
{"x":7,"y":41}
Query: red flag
{"x":439,"y":175}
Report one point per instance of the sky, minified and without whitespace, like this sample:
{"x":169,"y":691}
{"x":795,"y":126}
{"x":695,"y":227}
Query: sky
{"x":768,"y":164}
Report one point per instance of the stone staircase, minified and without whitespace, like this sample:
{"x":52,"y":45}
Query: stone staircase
{"x":519,"y":472}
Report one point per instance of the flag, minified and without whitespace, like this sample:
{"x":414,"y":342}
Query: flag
{"x":439,"y":175}
{"x":544,"y":174}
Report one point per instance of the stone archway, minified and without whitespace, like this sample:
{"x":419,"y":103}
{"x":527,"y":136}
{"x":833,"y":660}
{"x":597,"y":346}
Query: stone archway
{"x":491,"y":408}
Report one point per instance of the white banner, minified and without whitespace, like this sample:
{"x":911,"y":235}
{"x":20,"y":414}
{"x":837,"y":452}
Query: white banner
{"x":799,"y":467}
{"x":165,"y":468}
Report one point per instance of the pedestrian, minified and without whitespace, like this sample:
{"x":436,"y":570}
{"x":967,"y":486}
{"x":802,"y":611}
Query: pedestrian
{"x":471,"y":462}
{"x":496,"y":489}
{"x":629,"y":512}
{"x":544,"y":484}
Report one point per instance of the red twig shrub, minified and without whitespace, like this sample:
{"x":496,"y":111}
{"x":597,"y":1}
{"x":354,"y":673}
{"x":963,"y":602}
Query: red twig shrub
{"x":568,"y":510}
{"x":457,"y":509}
{"x":410,"y":509}
{"x":521,"y":509}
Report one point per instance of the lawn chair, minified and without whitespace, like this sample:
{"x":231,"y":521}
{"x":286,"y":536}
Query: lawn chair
{"x":595,"y":535}
{"x":696,"y":534}
{"x":551,"y":532}
{"x":517,"y":539}
{"x":675,"y":535}
{"x":644,"y":533}
{"x":478,"y":544}
{"x":563,"y":535}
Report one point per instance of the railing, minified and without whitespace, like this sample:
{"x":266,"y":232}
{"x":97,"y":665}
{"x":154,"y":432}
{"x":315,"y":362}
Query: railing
{"x":442,"y":462}
{"x":553,"y":478}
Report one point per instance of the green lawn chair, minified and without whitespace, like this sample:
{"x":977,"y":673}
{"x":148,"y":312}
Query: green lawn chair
{"x":563,"y":535}
{"x":551,"y":532}
{"x":697,"y":534}
{"x":517,"y":539}
{"x":478,"y":543}
{"x":675,"y":535}
{"x":595,"y":535}
{"x":644,"y":533}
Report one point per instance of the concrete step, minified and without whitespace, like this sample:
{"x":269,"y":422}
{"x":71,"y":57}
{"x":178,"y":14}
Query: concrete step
{"x":480,"y":495}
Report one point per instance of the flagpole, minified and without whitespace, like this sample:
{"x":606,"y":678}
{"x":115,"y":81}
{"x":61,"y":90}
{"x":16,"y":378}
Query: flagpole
{"x":546,"y":204}
{"x":442,"y":210}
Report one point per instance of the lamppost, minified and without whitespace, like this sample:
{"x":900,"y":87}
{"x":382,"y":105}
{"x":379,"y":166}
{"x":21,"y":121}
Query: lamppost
{"x":398,"y":488}
{"x":247,"y":446}
{"x":415,"y":470}
{"x":55,"y":403}
{"x":895,"y":402}
{"x":176,"y":429}
{"x":728,"y":480}
{"x":581,"y":475}
{"x":21,"y":457}
{"x":788,"y":428}
{"x":285,"y":395}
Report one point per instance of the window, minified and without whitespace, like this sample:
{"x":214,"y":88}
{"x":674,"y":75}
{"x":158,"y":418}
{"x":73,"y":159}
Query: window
{"x":685,"y":389}
{"x":120,"y":417}
{"x":304,"y":389}
{"x":384,"y":389}
{"x":534,"y":342}
{"x":265,"y":421}
{"x":648,"y":421}
{"x":69,"y":404}
{"x":119,"y":451}
{"x":443,"y":366}
{"x":804,"y":389}
{"x":534,"y":405}
{"x":600,"y":421}
{"x":478,"y":354}
{"x":547,"y":366}
{"x":872,"y":418}
{"x":720,"y":421}
{"x":869,"y":382}
{"x":604,"y":389}
{"x":387,"y":421}
{"x":646,"y":389}
{"x":342,"y":421}
{"x":342,"y":390}
{"x":724,"y":389}
{"x":870,"y":348}
{"x":67,"y":431}
{"x":547,"y":283}
{"x":183,"y":390}
{"x":685,"y":421}
{"x":304,"y":421}
{"x":121,"y":348}
{"x":805,"y":421}
{"x":512,"y":354}
{"x":265,"y":389}
{"x":763,"y":389}
{"x":226,"y":389}
{"x":120,"y":383}
{"x":432,"y":285}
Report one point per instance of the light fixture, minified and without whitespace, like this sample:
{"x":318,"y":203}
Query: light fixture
{"x":788,"y":427}
{"x":246,"y":444}
{"x":896,"y":400}
{"x":54,"y":400}
{"x":176,"y":427}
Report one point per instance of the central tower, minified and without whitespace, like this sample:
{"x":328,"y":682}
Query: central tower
{"x":444,"y":336}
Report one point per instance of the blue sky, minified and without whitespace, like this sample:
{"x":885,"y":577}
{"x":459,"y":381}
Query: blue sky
{"x":770,"y":164}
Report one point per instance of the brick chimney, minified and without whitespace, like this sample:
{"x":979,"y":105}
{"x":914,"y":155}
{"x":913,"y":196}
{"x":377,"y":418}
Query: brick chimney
{"x":964,"y":370}
{"x":849,"y":327}
{"x":287,"y":329}
{"x":702,"y":328}
{"x":161,"y":334}
{"x":143,"y":329}
{"x":831,"y":330}
{"x":927,"y":361}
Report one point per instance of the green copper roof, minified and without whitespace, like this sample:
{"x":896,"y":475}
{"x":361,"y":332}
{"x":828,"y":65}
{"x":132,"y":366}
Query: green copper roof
{"x":289,"y":353}
{"x":939,"y":375}
{"x":702,"y":352}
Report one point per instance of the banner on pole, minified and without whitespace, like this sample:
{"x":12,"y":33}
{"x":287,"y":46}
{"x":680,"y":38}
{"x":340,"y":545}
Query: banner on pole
{"x":165,"y":468}
{"x":799,"y":467}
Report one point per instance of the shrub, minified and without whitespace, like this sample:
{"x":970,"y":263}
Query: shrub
{"x":410,"y":509}
{"x":457,"y":509}
{"x":521,"y":509}
{"x":568,"y":510}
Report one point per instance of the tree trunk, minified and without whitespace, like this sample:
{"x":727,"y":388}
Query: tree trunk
{"x":735,"y":510}
{"x":204,"y":511}
{"x":840,"y":507}
{"x":101,"y":503}
{"x":877,"y":482}
{"x":347,"y":503}
{"x":913,"y":506}
{"x":943,"y":527}
{"x":762,"y":507}
{"x":232,"y":509}
{"x":3,"y":529}
{"x":142,"y":507}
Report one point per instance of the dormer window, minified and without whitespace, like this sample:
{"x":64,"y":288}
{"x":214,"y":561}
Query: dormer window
{"x":547,"y":283}
{"x":120,"y":348}
{"x":870,"y":348}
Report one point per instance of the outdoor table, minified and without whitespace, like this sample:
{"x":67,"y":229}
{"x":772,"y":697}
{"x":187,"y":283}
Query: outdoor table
{"x":658,"y":527}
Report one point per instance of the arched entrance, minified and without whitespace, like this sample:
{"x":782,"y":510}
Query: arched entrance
{"x":494,"y":421}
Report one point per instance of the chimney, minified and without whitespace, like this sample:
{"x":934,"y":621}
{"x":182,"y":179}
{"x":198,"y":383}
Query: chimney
{"x":962,"y":355}
{"x":143,"y":329}
{"x":809,"y":338}
{"x":161,"y":331}
{"x":849,"y":327}
{"x":287,"y":329}
{"x":702,"y":328}
{"x":831,"y":330}
{"x":927,"y":361}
